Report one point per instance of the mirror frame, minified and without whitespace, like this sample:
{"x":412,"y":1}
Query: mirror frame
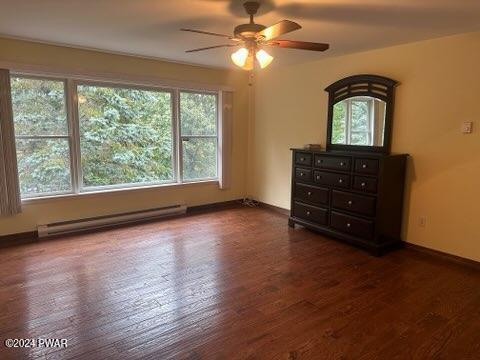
{"x":375,"y":86}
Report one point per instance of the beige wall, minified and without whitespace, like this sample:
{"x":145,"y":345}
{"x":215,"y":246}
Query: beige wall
{"x":82,"y":61}
{"x":439,"y":89}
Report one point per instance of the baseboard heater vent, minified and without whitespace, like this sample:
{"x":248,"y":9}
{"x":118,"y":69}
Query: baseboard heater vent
{"x":68,"y":227}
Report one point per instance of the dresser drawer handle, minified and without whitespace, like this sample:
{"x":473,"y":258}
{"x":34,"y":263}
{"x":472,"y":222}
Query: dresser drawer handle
{"x":302,"y":159}
{"x":318,"y":177}
{"x":308,"y":212}
{"x":340,"y":181}
{"x":363,"y":184}
{"x":319,"y":161}
{"x":364,"y":166}
{"x":342,"y":164}
{"x":301,"y":174}
{"x":348,"y":224}
{"x":350,"y":202}
{"x":309,"y":193}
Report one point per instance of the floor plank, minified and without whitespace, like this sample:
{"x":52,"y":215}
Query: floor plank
{"x":233,"y":284}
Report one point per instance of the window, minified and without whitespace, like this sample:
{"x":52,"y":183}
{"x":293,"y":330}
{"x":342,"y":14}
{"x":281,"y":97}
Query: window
{"x":125,"y":136}
{"x":74,"y":136}
{"x":198,"y":133}
{"x":360,"y":121}
{"x":42,"y":136}
{"x":355,"y":119}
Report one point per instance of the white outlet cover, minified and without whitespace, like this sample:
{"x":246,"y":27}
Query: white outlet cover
{"x":467,"y":127}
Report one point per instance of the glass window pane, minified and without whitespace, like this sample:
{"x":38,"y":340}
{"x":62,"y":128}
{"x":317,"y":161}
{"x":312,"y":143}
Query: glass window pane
{"x":360,"y":115}
{"x":198,"y":113}
{"x":125,"y":135}
{"x":199,"y":158}
{"x":359,"y":139}
{"x":339,"y":123}
{"x":39,"y":107}
{"x":43,"y":166}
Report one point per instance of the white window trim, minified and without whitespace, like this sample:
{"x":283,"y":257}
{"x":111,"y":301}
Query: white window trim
{"x":68,"y":195}
{"x":181,"y":137}
{"x":71,"y":102}
{"x":45,"y":71}
{"x":348,"y":125}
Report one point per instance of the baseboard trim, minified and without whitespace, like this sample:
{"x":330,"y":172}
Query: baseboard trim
{"x":214,"y":206}
{"x":32,"y":236}
{"x":442,"y":255}
{"x":18,"y":238}
{"x":274,"y":208}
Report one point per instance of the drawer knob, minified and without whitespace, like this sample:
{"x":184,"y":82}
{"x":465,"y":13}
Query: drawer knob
{"x":302,"y":159}
{"x":363,"y":184}
{"x":350,"y":202}
{"x":364,"y":166}
{"x":318,"y":177}
{"x":320,"y":161}
{"x":301,"y":174}
{"x":309,"y":193}
{"x":342,"y":164}
{"x":308,"y":212}
{"x":340,"y":181}
{"x":348,"y":224}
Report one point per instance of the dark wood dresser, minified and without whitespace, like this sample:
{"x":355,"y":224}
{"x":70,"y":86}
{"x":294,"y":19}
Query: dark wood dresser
{"x":352,"y":196}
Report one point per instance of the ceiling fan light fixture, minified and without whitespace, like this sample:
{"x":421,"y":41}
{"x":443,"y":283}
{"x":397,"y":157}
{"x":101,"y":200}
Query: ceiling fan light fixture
{"x":263,"y":58}
{"x":249,"y":63}
{"x":252,"y":37}
{"x":240,"y":57}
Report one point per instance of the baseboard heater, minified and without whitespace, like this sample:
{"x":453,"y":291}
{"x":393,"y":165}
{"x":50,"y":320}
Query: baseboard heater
{"x":68,"y":227}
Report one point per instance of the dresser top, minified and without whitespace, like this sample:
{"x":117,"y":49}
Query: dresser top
{"x":347,"y":153}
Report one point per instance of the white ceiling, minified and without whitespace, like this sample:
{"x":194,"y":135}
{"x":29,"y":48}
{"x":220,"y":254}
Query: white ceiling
{"x":151,"y":27}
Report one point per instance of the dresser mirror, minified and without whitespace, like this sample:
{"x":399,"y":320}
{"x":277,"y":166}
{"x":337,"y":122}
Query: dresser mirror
{"x":360,"y":113}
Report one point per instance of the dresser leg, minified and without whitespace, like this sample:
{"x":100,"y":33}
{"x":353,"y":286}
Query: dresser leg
{"x":377,"y":252}
{"x":291,"y":223}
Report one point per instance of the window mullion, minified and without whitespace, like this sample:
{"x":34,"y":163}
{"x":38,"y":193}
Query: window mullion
{"x":219,"y":125}
{"x":75,"y":135}
{"x":178,"y":137}
{"x":71,"y":145}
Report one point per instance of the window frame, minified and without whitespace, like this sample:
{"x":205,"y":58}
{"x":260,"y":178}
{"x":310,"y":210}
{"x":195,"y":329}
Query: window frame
{"x":181,"y":137}
{"x":68,"y":137}
{"x":73,"y":124}
{"x":370,"y":101}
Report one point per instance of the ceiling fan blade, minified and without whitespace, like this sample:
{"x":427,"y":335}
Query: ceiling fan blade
{"x":207,"y":33}
{"x":303,"y":45}
{"x":280,"y":28}
{"x":210,"y":47}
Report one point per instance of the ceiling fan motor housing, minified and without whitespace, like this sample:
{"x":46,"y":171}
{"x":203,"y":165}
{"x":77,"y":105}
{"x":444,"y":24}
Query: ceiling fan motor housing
{"x":248,"y":30}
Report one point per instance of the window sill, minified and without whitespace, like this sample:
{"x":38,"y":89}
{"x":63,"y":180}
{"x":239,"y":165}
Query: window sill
{"x":46,"y":198}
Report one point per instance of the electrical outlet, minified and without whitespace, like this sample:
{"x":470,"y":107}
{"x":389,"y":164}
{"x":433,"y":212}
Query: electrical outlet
{"x":467,"y":127}
{"x":422,"y":221}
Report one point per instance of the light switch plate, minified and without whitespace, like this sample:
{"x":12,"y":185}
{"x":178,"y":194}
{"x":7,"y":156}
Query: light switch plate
{"x":467,"y":127}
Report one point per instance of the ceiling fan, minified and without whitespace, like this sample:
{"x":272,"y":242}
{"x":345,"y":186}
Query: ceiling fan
{"x":252,"y":37}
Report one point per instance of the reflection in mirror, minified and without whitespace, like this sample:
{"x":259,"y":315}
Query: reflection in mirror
{"x":359,"y":120}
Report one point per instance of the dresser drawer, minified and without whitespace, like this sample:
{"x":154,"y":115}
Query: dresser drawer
{"x":310,"y":213}
{"x":303,"y":174}
{"x":364,"y":183}
{"x":360,"y":204}
{"x":366,"y":166}
{"x":332,"y":179}
{"x":311,"y":194}
{"x":332,"y":162}
{"x":352,"y":225}
{"x":302,"y":158}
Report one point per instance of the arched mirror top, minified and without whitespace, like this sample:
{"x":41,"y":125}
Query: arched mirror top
{"x":376,"y":86}
{"x":360,"y":111}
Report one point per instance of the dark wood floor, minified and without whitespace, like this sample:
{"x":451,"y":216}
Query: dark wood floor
{"x":234,"y":284}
